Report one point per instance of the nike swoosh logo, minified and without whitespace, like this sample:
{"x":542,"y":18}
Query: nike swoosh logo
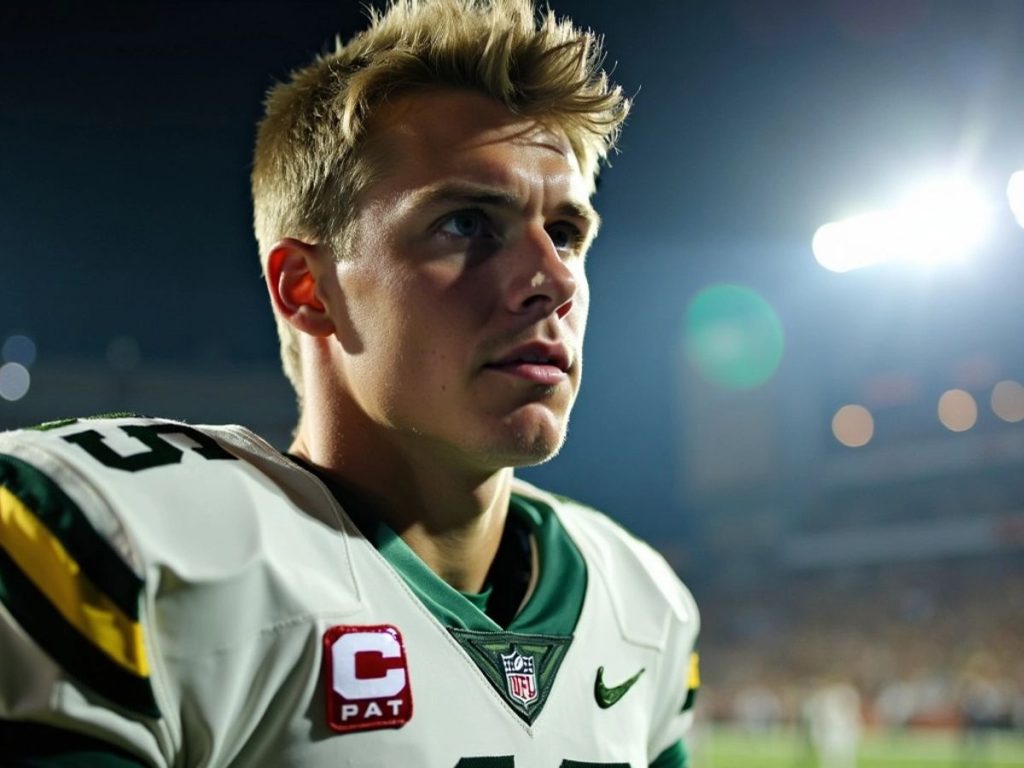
{"x":606,"y":696}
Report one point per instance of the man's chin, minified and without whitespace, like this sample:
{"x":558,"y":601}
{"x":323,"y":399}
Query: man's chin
{"x":528,"y":444}
{"x":534,"y":463}
{"x":498,"y":459}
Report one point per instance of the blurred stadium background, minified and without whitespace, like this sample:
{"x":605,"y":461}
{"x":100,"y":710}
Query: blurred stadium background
{"x":833,"y":460}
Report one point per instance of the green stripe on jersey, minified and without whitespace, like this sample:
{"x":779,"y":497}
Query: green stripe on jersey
{"x":69,"y":525}
{"x":69,"y":588}
{"x":673,"y":757}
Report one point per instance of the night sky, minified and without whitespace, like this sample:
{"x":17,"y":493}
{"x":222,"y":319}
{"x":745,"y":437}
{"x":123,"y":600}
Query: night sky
{"x":127,"y":131}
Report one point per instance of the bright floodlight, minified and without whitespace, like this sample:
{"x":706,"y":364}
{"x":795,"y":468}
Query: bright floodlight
{"x":1015,"y":194}
{"x":942,"y":221}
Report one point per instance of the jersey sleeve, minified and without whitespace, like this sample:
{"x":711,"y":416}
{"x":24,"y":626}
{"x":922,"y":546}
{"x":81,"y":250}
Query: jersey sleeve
{"x":679,"y":678}
{"x":73,"y":639}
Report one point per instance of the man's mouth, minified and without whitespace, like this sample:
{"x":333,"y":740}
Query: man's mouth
{"x":539,"y":362}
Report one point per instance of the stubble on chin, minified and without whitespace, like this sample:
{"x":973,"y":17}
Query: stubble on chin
{"x":529,"y":445}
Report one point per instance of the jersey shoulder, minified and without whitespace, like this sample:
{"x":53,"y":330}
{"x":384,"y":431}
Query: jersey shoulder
{"x":639,"y":582}
{"x":72,"y":582}
{"x":108,"y":522}
{"x":127,"y":476}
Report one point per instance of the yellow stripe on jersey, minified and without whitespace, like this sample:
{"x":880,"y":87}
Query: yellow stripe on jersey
{"x":692,"y":682}
{"x":57,"y":575}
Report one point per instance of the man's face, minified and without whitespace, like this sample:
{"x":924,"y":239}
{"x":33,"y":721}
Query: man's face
{"x":462,"y":306}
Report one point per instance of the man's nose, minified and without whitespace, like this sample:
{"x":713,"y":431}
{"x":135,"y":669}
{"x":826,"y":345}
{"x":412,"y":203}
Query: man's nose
{"x":542,"y":281}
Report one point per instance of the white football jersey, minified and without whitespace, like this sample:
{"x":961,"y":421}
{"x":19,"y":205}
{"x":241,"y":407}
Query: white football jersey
{"x":190,"y":596}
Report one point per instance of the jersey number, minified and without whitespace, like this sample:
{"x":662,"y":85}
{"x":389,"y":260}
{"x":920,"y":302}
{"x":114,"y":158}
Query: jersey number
{"x":160,"y":453}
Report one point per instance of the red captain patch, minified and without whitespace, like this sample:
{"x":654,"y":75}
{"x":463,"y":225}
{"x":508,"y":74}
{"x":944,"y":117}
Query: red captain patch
{"x":367,"y":678}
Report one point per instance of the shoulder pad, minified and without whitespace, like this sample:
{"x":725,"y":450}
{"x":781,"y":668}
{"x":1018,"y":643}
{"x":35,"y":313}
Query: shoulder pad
{"x":212,"y":517}
{"x":66,"y":572}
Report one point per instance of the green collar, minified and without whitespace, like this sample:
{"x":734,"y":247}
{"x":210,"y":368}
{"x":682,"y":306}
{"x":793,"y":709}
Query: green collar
{"x":481,"y":598}
{"x":556,"y":602}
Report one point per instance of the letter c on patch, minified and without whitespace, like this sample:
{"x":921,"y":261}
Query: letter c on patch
{"x":345,"y":679}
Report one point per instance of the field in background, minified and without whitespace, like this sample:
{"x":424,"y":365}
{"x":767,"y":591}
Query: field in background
{"x":729,"y":747}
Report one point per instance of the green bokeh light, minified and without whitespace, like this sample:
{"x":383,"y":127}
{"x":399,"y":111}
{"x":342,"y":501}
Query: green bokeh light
{"x":733,"y":337}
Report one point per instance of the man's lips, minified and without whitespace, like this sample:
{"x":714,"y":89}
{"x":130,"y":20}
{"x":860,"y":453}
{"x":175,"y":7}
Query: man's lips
{"x":539,"y":373}
{"x":538,"y":362}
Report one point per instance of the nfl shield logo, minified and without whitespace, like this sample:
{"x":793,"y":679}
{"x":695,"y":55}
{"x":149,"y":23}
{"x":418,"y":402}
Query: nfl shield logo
{"x":520,"y":677}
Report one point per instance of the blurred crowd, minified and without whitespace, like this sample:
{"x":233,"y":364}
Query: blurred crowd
{"x":937,"y":644}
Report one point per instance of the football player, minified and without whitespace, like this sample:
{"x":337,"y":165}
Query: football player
{"x":385,"y":593}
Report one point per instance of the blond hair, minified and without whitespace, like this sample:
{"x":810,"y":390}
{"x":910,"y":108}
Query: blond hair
{"x":311,"y":162}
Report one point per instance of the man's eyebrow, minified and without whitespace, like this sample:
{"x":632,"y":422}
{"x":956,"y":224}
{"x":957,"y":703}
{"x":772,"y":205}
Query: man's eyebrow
{"x":469,"y":193}
{"x":585,"y":212}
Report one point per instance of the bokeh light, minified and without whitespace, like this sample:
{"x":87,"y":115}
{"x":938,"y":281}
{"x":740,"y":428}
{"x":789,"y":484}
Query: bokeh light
{"x":1008,"y":401}
{"x":958,"y":411}
{"x":1015,"y":194}
{"x":733,"y":336}
{"x":938,"y":222}
{"x":14,"y":381}
{"x":19,"y":348}
{"x":853,"y":426}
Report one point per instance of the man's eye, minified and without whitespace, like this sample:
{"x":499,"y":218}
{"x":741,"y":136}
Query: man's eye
{"x":566,"y":236}
{"x":466,"y":224}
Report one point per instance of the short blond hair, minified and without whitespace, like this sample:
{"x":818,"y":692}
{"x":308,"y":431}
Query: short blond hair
{"x":310,"y":164}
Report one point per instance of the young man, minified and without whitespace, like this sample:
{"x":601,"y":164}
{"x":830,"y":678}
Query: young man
{"x":386,"y":593}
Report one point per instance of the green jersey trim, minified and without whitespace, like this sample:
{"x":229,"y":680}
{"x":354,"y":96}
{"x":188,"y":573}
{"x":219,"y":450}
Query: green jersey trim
{"x":552,"y":609}
{"x":479,"y":599}
{"x":557,"y":601}
{"x":66,"y":522}
{"x":675,"y":756}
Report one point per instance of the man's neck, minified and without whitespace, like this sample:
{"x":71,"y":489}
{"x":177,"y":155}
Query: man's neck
{"x":451,"y":517}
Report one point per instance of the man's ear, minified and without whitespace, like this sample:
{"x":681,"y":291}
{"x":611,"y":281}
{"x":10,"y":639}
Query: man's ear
{"x":293,"y":288}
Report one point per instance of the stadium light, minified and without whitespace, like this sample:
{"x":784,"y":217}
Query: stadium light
{"x":941,"y":221}
{"x":1015,"y":194}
